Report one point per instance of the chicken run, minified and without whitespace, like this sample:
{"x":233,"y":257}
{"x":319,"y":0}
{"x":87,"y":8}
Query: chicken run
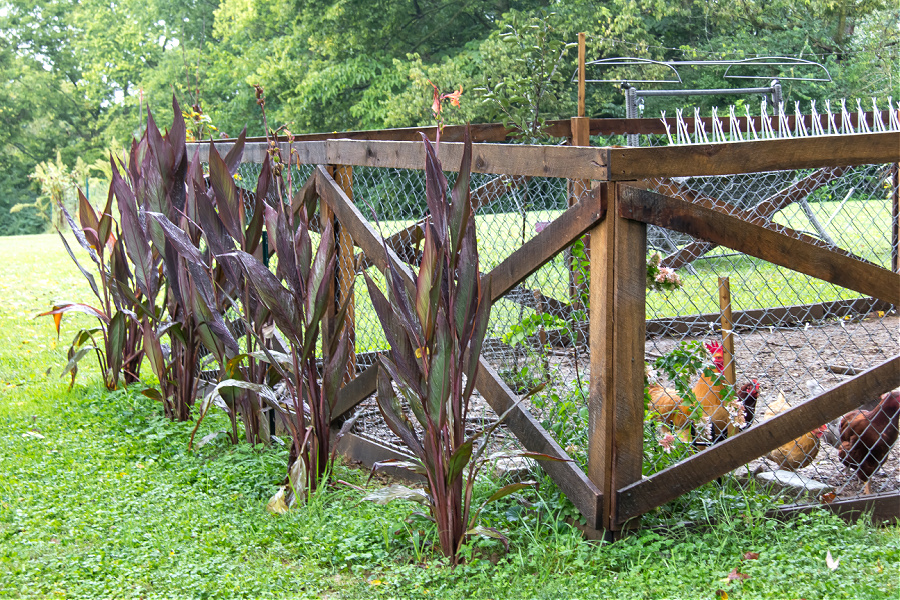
{"x":774,"y":338}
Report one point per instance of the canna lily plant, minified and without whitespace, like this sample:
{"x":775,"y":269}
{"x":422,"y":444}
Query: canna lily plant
{"x":435,"y":325}
{"x":116,"y":340}
{"x":157,"y":207}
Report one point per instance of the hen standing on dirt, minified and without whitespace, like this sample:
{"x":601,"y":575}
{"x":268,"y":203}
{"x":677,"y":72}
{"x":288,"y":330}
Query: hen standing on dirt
{"x":868,"y":435}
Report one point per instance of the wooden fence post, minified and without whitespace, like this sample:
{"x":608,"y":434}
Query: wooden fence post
{"x":895,"y":217}
{"x":345,"y":268}
{"x":578,"y":277}
{"x":617,"y":334}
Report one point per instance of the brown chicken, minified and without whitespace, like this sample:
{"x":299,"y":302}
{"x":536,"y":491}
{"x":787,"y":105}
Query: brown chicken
{"x":868,"y":435}
{"x":675,"y":411}
{"x":797,"y":453}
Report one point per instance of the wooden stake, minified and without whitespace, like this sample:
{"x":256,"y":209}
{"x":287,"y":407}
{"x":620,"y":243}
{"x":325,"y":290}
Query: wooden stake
{"x":727,"y":330}
{"x":895,"y":218}
{"x":345,"y":271}
{"x":581,"y":76}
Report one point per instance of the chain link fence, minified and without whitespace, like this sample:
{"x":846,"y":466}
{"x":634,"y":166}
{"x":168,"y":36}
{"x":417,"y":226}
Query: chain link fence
{"x":794,"y":335}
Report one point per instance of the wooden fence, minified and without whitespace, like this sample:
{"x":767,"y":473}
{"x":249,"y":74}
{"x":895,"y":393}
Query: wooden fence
{"x":611,"y":201}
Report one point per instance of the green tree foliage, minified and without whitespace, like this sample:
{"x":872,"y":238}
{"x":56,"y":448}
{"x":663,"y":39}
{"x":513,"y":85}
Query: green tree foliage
{"x":78,"y":77}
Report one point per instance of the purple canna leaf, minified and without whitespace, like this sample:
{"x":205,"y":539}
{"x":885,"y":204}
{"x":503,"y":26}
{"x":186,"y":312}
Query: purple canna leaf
{"x":461,"y":207}
{"x":90,"y":223}
{"x":439,"y":373}
{"x":458,"y":461}
{"x":394,"y":417}
{"x":178,"y":238}
{"x":177,"y":134}
{"x":104,"y":228}
{"x":88,"y":276}
{"x":235,"y":153}
{"x":319,"y":282}
{"x":435,"y":191}
{"x":225,"y":191}
{"x":135,"y":236}
{"x":271,"y":293}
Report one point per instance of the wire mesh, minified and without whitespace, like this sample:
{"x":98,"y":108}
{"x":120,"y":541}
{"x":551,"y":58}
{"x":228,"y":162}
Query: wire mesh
{"x":794,"y":335}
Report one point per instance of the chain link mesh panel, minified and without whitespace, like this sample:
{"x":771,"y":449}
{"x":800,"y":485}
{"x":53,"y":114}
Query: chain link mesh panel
{"x":793,"y":335}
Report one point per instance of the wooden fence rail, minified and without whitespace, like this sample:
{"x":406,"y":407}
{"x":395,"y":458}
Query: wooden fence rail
{"x":612,"y":204}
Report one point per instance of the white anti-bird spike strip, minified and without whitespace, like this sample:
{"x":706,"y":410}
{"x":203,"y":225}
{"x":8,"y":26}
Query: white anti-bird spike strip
{"x":784,"y":127}
{"x":735,"y":124}
{"x":832,"y":126}
{"x":877,"y":121}
{"x":861,"y":118}
{"x":894,"y":115}
{"x":845,"y":116}
{"x":821,"y":124}
{"x":668,"y":129}
{"x":751,"y":126}
{"x":799,"y":125}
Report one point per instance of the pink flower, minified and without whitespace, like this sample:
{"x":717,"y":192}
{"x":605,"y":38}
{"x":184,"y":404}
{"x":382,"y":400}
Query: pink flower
{"x":667,"y":275}
{"x":667,"y":442}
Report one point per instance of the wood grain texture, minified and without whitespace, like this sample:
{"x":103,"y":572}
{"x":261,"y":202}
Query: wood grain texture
{"x":358,"y":449}
{"x":497,"y":132}
{"x":881,"y":508}
{"x":753,"y":157}
{"x":727,"y":330}
{"x":345,"y":273}
{"x":571,"y":480}
{"x":501,"y":159}
{"x":364,"y":235}
{"x":638,"y":498}
{"x":357,"y":389}
{"x":779,"y":248}
{"x":556,"y":237}
{"x":765,"y":210}
{"x":617,"y":332}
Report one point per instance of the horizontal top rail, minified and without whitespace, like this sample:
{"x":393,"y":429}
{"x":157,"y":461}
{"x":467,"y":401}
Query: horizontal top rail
{"x":605,"y":164}
{"x":568,"y":162}
{"x":727,"y":158}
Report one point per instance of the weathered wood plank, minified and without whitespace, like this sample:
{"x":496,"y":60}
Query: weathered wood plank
{"x":357,"y":389}
{"x":617,"y":325}
{"x":883,"y":508}
{"x":764,"y":317}
{"x":502,"y":159}
{"x":536,"y":252}
{"x":753,"y":157}
{"x":638,"y":498}
{"x":769,"y":245}
{"x":345,"y":273}
{"x":364,"y":235}
{"x":765,"y":210}
{"x":570,"y":479}
{"x":367,"y":452}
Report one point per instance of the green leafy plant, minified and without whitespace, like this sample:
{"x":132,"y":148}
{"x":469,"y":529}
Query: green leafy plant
{"x":524,"y":91}
{"x":435,"y":325}
{"x":116,"y":340}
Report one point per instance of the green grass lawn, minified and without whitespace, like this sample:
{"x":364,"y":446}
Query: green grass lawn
{"x":100,"y":498}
